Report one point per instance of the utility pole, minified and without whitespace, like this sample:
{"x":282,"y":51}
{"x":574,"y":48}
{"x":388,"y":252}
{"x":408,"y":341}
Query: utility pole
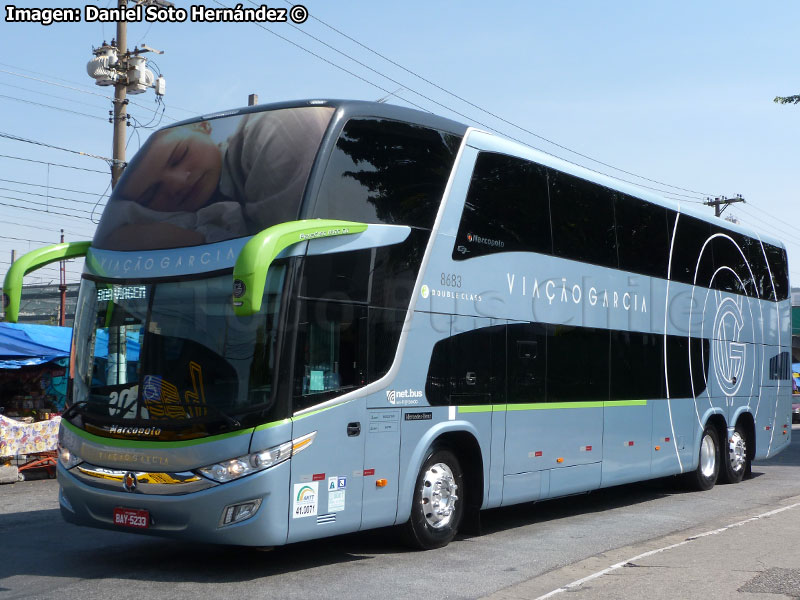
{"x":62,"y":287}
{"x":127,"y":71}
{"x":721,"y":203}
{"x":120,"y":122}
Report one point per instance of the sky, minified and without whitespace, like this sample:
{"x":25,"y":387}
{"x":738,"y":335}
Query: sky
{"x":674,"y":96}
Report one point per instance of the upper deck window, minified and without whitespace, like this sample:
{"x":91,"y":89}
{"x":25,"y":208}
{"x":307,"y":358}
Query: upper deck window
{"x":506,"y":209}
{"x":214,"y":180}
{"x":384,"y":171}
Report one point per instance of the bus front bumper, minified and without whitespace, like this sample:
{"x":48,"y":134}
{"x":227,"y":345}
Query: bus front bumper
{"x":195,"y":516}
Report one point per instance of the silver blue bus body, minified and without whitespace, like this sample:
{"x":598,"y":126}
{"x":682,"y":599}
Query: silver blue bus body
{"x":542,"y":374}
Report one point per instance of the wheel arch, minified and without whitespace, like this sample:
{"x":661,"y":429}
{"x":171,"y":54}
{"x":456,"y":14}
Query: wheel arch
{"x":461,"y":438}
{"x":747,"y":421}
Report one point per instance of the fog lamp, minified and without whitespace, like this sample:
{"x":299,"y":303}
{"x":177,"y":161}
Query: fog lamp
{"x":235,"y":513}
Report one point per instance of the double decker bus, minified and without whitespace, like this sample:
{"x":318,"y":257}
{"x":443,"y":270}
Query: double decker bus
{"x":305,"y":319}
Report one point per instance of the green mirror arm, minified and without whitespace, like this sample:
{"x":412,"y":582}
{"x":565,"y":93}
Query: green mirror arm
{"x":252,"y":264}
{"x":12,"y":285}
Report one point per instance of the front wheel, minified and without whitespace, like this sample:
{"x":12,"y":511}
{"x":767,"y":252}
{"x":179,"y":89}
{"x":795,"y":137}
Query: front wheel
{"x":736,"y":462}
{"x":705,"y":476}
{"x":437,"y":509}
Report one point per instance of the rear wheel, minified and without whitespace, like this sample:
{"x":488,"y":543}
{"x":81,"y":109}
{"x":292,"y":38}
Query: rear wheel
{"x":437,"y":509}
{"x":705,"y":476}
{"x":736,"y":462}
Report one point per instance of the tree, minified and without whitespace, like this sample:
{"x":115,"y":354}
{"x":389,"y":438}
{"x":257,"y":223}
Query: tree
{"x":787,"y":99}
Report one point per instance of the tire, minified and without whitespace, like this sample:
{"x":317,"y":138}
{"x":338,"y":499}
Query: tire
{"x":705,"y":476}
{"x":735,"y":461}
{"x":439,"y":481}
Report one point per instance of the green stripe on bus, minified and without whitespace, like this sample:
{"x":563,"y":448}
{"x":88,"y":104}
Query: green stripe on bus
{"x":150,"y":445}
{"x":482,"y":408}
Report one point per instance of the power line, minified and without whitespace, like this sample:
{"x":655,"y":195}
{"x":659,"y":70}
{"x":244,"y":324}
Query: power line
{"x":39,"y":225}
{"x":58,"y":108}
{"x":46,"y":204}
{"x":505,"y":134}
{"x":43,"y":162}
{"x":19,"y":87}
{"x":52,"y":212}
{"x":480,"y":108}
{"x":324,"y":59}
{"x":86,"y":91}
{"x":92,"y":202}
{"x":52,"y":187}
{"x":17,"y":138}
{"x":8,"y":237}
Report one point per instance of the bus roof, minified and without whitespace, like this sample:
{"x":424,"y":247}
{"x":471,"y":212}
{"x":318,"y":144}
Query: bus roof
{"x":362,"y":108}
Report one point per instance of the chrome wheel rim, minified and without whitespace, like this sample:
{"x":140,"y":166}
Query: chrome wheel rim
{"x":439,"y":495}
{"x":737,"y":452}
{"x":708,"y":457}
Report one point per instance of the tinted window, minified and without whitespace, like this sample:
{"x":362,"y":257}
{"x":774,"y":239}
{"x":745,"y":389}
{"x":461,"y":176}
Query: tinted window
{"x":758,"y":263}
{"x":387,"y":172}
{"x":687,"y":248}
{"x":582,"y":216}
{"x":214,"y":180}
{"x":577,"y":364}
{"x":506,"y":208}
{"x":683,"y":382}
{"x":732,"y":271}
{"x":468,"y":368}
{"x":331,"y":351}
{"x":343,"y":276}
{"x":780,"y":270}
{"x":637,"y":366}
{"x":383,"y":277}
{"x":643,"y":236}
{"x":527,"y":363}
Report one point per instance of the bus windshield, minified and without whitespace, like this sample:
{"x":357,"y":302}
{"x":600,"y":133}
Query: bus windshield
{"x":173,"y":356}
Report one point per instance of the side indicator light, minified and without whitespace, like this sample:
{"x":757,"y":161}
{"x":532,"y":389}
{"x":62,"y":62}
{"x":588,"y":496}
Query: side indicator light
{"x":658,"y":448}
{"x":784,"y":432}
{"x":381,"y":483}
{"x":559,"y":460}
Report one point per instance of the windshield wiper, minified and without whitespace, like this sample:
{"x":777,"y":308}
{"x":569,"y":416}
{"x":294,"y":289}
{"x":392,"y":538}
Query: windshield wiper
{"x":72,"y":409}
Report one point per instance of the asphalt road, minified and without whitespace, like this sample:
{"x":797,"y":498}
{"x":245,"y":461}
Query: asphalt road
{"x":43,"y":557}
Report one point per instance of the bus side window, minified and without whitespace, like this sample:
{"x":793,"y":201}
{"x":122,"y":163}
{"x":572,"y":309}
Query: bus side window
{"x":642,"y":236}
{"x":468,"y":368}
{"x":582,"y":216}
{"x":527,"y":363}
{"x":776,"y":257}
{"x":506,"y":209}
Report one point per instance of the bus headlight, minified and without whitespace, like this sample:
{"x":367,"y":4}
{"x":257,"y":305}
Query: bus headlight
{"x":67,"y":458}
{"x":235,"y":468}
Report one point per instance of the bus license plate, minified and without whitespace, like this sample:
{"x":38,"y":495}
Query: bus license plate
{"x":132,"y":517}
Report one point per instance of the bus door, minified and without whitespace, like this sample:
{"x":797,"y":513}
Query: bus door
{"x":327,"y":476}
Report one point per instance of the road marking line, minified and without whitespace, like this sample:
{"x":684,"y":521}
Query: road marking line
{"x":580,"y":582}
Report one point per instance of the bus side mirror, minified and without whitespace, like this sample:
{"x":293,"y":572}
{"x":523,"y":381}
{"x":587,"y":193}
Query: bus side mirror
{"x":252,"y":264}
{"x":12,"y":285}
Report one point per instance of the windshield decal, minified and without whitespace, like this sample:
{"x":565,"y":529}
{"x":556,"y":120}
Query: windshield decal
{"x":214,"y":180}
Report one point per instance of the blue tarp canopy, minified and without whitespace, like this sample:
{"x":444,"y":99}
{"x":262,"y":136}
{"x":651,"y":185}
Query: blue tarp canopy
{"x":23,"y":344}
